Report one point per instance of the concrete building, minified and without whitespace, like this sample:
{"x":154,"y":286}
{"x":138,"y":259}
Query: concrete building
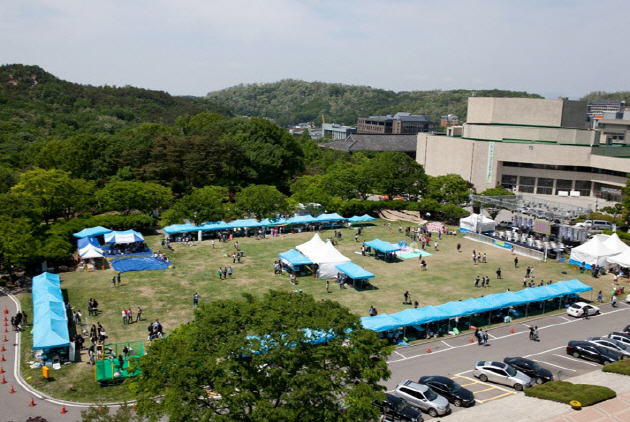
{"x":449,"y":120}
{"x":338,"y":132}
{"x":398,"y":124}
{"x":531,"y":146}
{"x":603,"y":106}
{"x":375,"y":142}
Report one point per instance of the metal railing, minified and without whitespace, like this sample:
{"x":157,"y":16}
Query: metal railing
{"x":517,"y":249}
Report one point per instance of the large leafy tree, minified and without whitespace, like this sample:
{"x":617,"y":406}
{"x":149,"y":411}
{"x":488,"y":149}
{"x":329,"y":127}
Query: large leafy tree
{"x":205,"y":204}
{"x":258,"y":355}
{"x":17,"y":245}
{"x":450,"y":188}
{"x":626,"y":198}
{"x":396,"y":173}
{"x":261,"y":201}
{"x":128,"y":196}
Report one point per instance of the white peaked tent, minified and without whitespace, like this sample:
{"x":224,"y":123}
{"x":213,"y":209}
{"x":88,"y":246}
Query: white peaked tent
{"x":613,"y":242}
{"x":90,"y":251}
{"x":592,"y":252}
{"x":476,"y":223}
{"x":324,"y":255}
{"x":622,"y":259}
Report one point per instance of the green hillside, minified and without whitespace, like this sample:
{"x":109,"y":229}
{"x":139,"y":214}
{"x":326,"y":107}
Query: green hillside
{"x":291,"y":101}
{"x":601,"y":95}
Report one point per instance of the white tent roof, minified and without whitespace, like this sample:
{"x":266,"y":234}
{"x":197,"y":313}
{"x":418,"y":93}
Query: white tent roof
{"x":622,"y":259}
{"x":473,"y":218}
{"x":313,"y":249}
{"x":333,"y":255}
{"x":91,"y":252}
{"x":592,"y":252}
{"x":613,"y":242}
{"x":324,"y":255}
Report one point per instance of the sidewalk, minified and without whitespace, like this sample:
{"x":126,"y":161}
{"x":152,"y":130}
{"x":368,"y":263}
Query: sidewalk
{"x":519,"y":408}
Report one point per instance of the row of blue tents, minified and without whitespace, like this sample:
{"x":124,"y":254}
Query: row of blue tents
{"x":267,"y":222}
{"x":50,"y":323}
{"x":428,"y":314}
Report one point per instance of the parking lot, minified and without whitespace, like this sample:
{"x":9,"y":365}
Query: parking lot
{"x":455,"y":357}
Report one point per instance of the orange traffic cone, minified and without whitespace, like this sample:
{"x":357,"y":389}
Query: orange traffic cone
{"x":32,"y":402}
{"x":471,"y":339}
{"x":3,"y":359}
{"x":429,"y":350}
{"x":512,"y":330}
{"x":11,"y":391}
{"x":5,"y":310}
{"x":5,"y":319}
{"x":63,"y":409}
{"x":3,"y":380}
{"x":5,"y":330}
{"x":3,"y":349}
{"x":5,"y":338}
{"x":1,"y":370}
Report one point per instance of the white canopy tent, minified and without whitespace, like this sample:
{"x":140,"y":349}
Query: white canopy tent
{"x":324,"y":255}
{"x":476,"y":223}
{"x":90,"y":251}
{"x":591,"y":253}
{"x":622,"y":259}
{"x":614,"y":243}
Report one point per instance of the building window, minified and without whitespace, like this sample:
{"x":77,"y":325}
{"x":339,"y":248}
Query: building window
{"x":527,"y":184}
{"x":584,"y":186}
{"x":545,"y":186}
{"x":564,"y":185}
{"x":508,"y":182}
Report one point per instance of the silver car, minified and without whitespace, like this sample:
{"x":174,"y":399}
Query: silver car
{"x":502,"y":373}
{"x":617,"y":347}
{"x":423,"y":398}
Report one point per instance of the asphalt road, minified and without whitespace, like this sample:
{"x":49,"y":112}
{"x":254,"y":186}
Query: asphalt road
{"x":456,"y":357}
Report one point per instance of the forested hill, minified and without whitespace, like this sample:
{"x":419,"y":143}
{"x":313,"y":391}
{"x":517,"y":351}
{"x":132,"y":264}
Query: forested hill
{"x":601,"y":95}
{"x":291,"y":101}
{"x":35,"y":104}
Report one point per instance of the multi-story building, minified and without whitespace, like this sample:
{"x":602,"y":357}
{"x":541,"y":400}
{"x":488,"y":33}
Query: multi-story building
{"x":603,"y":106}
{"x":338,"y":132}
{"x":530,"y":146}
{"x":398,"y":124}
{"x":449,"y":120}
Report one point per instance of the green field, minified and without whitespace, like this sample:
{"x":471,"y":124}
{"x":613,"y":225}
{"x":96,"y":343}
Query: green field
{"x":167,"y":295}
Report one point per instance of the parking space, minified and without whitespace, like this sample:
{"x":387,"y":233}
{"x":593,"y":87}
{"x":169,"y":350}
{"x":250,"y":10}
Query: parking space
{"x":483,"y":391}
{"x":560,"y":363}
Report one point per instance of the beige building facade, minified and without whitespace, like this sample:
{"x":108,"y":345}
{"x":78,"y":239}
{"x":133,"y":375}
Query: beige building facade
{"x":530,"y":146}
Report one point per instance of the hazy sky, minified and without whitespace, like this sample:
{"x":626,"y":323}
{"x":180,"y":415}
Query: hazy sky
{"x":192,"y":47}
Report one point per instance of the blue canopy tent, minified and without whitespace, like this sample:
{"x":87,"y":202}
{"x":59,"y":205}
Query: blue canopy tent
{"x":127,"y":236}
{"x":243,"y":224}
{"x":214,"y":225}
{"x":83,"y":242}
{"x":294,"y":259}
{"x":412,"y":317}
{"x":180,"y":228}
{"x":361,"y":218}
{"x":329,"y":217}
{"x":353,"y":271}
{"x":271,"y":222}
{"x":92,"y":231}
{"x":301,"y":219}
{"x":381,"y":246}
{"x":50,"y":324}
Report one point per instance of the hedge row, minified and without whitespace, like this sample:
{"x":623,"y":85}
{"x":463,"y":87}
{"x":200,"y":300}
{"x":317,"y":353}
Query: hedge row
{"x":358,"y":207}
{"x":622,"y":235}
{"x":620,"y":367}
{"x":114,"y":222}
{"x":565,"y":392}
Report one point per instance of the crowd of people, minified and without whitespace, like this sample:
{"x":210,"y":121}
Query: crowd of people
{"x":127,"y":248}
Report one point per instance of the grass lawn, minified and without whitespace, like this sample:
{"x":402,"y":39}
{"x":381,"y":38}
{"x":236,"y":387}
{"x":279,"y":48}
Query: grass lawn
{"x":167,"y":295}
{"x":620,"y":367}
{"x":565,"y":392}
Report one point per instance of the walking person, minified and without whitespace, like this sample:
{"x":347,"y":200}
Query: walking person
{"x":407,"y":297}
{"x":195,"y":300}
{"x":129,"y":316}
{"x":224,"y":272}
{"x":138,"y":314}
{"x":614,"y":301}
{"x":118,"y":278}
{"x":477,"y":282}
{"x":459,"y":246}
{"x":327,"y":286}
{"x":114,"y":281}
{"x":600,"y":296}
{"x":485,"y":338}
{"x":516,"y":262}
{"x":499,"y":273}
{"x":229,"y":271}
{"x":220,"y":272}
{"x":124,"y":316}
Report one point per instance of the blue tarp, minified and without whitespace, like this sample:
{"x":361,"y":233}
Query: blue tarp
{"x":83,"y":242}
{"x":294,"y":257}
{"x":381,"y":246}
{"x":471,"y":306}
{"x":330,"y":217}
{"x":270,"y":222}
{"x":127,"y":236}
{"x":92,"y":231}
{"x":180,"y":228}
{"x":124,"y":265}
{"x":354,"y":271}
{"x":238,"y":224}
{"x":50,"y":326}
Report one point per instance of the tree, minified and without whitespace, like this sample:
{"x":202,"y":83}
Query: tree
{"x":127,"y":196}
{"x":396,"y":173}
{"x":450,"y":188}
{"x":310,"y":189}
{"x":101,"y":414}
{"x":626,"y":197}
{"x":17,"y":245}
{"x":258,"y":355}
{"x":261,"y":201}
{"x":55,"y":249}
{"x":205,"y":204}
{"x":497,"y":191}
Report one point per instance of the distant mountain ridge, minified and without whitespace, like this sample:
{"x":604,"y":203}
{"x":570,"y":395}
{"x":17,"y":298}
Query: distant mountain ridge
{"x":293,"y":101}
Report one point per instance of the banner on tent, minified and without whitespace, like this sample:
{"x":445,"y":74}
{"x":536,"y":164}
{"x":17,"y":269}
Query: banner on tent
{"x":435,"y":227}
{"x":501,"y":244}
{"x":542,"y":227}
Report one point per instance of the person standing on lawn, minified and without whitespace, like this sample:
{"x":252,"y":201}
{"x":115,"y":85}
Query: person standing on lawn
{"x":195,"y":300}
{"x":138,"y":314}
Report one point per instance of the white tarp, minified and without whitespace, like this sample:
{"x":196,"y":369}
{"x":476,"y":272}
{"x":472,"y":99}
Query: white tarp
{"x":622,"y":259}
{"x":614,"y":243}
{"x":324,"y":255}
{"x":592,"y":252}
{"x":476,"y":223}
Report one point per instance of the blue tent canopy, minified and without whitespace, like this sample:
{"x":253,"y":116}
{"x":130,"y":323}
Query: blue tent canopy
{"x":270,"y":222}
{"x":50,"y":325}
{"x":330,"y":217}
{"x":180,"y":228}
{"x":301,"y":219}
{"x":214,"y":225}
{"x":294,"y":257}
{"x":471,"y":306}
{"x":381,"y":246}
{"x":238,"y":224}
{"x":83,"y":242}
{"x":361,"y":218}
{"x":92,"y":231}
{"x":353,"y":271}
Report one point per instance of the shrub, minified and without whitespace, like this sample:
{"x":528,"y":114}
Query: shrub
{"x":620,"y":367}
{"x":565,"y":392}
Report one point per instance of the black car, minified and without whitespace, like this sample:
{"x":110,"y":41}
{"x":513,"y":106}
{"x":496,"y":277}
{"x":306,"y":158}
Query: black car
{"x":590,"y":351}
{"x":399,"y":408}
{"x":530,"y":368}
{"x":627,"y":329}
{"x":449,"y":389}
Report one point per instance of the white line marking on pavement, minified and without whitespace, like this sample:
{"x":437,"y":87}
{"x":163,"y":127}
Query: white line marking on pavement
{"x":575,"y":360}
{"x":493,"y":337}
{"x":447,"y":344}
{"x":558,"y":366}
{"x":566,"y":319}
{"x":399,"y":354}
{"x":489,"y":385}
{"x":546,"y":351}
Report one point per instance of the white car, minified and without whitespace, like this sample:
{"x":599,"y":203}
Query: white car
{"x":628,"y":298}
{"x":578,"y":308}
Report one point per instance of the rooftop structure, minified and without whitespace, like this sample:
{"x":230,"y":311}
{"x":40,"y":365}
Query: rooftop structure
{"x":400,"y":123}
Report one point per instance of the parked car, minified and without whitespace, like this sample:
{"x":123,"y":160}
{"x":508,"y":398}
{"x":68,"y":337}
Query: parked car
{"x":537,"y":373}
{"x":595,"y":225}
{"x":621,"y":337}
{"x":423,"y":397}
{"x":399,"y":408}
{"x":590,"y":351}
{"x":577,"y":309}
{"x":502,"y":373}
{"x":628,"y":298}
{"x":614,"y":346}
{"x":505,"y":224}
{"x":627,"y":329}
{"x":449,"y":389}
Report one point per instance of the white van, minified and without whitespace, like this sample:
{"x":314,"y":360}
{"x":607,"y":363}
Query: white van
{"x":595,"y":225}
